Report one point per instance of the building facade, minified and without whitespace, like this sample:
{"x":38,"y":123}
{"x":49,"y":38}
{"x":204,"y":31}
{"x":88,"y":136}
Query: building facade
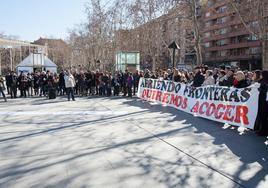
{"x":226,"y":39}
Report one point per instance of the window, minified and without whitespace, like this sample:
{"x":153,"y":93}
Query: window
{"x":219,"y":21}
{"x":221,"y":42}
{"x":252,"y":37}
{"x":210,"y":3}
{"x":207,"y":24}
{"x":223,"y":53}
{"x":207,"y":55}
{"x":256,"y":50}
{"x":222,"y":20}
{"x":222,"y":9}
{"x":207,"y":44}
{"x":254,"y":24}
{"x":225,"y":19}
{"x":223,"y":31}
{"x":207,"y":34}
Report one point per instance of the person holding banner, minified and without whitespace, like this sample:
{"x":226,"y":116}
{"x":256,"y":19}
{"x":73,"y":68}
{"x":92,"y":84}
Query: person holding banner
{"x":261,"y":125}
{"x":209,"y":79}
{"x":240,"y":80}
{"x":198,"y":78}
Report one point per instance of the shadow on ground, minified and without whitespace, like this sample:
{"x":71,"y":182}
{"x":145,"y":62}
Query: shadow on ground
{"x":132,"y":152}
{"x":248,"y":147}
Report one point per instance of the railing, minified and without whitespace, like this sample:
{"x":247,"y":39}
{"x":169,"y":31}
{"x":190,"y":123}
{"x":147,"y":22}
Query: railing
{"x":223,"y":25}
{"x":234,"y":46}
{"x":227,"y":35}
{"x":233,"y":57}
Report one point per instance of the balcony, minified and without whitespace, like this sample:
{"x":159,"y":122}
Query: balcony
{"x":225,"y":36}
{"x":234,"y":46}
{"x":219,"y":4}
{"x":232,"y":58}
{"x":218,"y":15}
{"x":220,"y":26}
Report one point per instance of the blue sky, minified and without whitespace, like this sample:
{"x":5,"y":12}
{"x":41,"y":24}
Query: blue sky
{"x":31,"y":19}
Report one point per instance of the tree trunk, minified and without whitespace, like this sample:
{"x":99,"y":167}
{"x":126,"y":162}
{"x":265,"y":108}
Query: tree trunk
{"x":197,"y":35}
{"x":264,"y":55}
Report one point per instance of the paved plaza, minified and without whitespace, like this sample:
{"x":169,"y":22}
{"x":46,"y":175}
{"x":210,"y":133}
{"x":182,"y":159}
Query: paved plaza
{"x":121,"y":143}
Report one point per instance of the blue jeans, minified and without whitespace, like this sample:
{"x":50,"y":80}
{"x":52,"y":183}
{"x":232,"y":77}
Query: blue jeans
{"x":2,"y":92}
{"x":70,"y":93}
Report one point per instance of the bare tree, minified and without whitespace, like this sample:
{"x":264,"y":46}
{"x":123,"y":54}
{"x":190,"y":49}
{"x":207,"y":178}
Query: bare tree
{"x":254,"y":16}
{"x":147,"y":26}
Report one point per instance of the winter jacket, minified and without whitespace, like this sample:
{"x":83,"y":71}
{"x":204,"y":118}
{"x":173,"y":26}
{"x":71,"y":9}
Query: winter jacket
{"x":69,"y":81}
{"x":241,"y":84}
{"x":209,"y":81}
{"x":198,"y":80}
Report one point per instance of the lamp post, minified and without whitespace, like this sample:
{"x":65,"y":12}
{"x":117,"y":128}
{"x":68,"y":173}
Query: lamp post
{"x":175,"y":47}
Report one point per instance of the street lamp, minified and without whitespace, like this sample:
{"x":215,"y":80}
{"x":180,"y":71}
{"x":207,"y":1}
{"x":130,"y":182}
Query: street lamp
{"x":175,"y":47}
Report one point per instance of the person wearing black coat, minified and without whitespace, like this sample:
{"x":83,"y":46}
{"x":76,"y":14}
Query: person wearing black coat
{"x":261,"y":125}
{"x":198,"y":78}
{"x":124,"y":84}
{"x":93,"y":83}
{"x":229,"y":79}
{"x":116,"y":85}
{"x":61,"y":83}
{"x":8,"y":83}
{"x":14,"y":85}
{"x":136,"y":77}
{"x":2,"y":88}
{"x":240,"y":80}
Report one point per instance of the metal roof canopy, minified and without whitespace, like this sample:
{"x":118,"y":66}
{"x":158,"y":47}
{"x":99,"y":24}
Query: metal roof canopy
{"x":11,"y":42}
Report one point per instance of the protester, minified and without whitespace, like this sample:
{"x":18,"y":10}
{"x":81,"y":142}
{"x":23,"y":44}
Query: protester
{"x":256,"y":76}
{"x":23,"y":84}
{"x":209,"y":79}
{"x":176,"y":76}
{"x":69,"y":85}
{"x":13,"y":85}
{"x":147,"y":74}
{"x":125,"y":82}
{"x":43,"y":84}
{"x":136,"y":77}
{"x":129,"y":84}
{"x":2,"y":88}
{"x":229,"y":78}
{"x":61,"y":89}
{"x":198,"y":78}
{"x":221,"y":78}
{"x":36,"y":83}
{"x":8,"y":83}
{"x":240,"y":80}
{"x":261,"y":125}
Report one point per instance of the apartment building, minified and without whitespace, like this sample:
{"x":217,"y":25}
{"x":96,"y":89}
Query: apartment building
{"x":226,"y":40}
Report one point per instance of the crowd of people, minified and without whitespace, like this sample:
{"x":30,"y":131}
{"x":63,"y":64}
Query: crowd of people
{"x":82,"y":83}
{"x":86,"y":83}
